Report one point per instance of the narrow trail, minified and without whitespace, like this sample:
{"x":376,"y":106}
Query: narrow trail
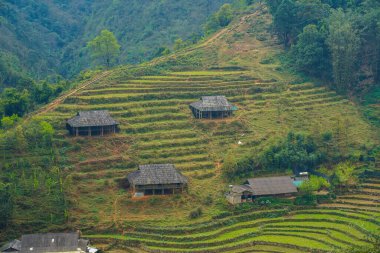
{"x":51,"y":106}
{"x":209,"y":42}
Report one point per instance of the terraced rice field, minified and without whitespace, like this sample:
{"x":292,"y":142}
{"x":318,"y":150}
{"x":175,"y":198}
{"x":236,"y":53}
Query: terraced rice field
{"x":323,"y":229}
{"x":156,"y":126}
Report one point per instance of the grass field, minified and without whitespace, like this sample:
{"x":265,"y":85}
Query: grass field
{"x":156,"y":126}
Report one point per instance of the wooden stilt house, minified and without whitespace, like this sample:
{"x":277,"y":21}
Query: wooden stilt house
{"x":280,"y":186}
{"x":156,"y":179}
{"x":209,"y":107}
{"x":90,"y":123}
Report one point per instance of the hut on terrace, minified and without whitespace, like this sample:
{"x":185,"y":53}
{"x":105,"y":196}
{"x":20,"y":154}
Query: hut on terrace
{"x":89,"y":123}
{"x":210,"y":107}
{"x":55,"y":242}
{"x":281,"y":186}
{"x":156,"y":179}
{"x":239,"y":194}
{"x":12,"y":246}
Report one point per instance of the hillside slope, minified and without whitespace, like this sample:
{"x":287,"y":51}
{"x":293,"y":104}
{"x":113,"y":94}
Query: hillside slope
{"x":151,"y":103}
{"x":47,"y":37}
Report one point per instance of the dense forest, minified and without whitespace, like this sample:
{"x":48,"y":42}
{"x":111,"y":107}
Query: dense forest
{"x":43,"y":38}
{"x":332,"y":40}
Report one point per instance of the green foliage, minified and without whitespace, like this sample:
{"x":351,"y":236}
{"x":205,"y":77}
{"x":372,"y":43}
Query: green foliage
{"x":334,"y":40}
{"x":344,"y":43}
{"x":9,"y":122}
{"x":196,"y":213}
{"x":306,"y":200}
{"x":39,"y":134}
{"x":311,"y":54}
{"x":344,"y":174}
{"x":6,"y":205}
{"x":284,"y":20}
{"x":297,"y":152}
{"x":59,"y":29}
{"x":220,"y":19}
{"x":14,"y":102}
{"x":314,"y":183}
{"x":104,"y":47}
{"x":179,"y":44}
{"x":237,"y":168}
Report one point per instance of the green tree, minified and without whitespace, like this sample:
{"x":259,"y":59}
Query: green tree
{"x":104,"y":47}
{"x":6,"y":205}
{"x":344,"y":175}
{"x":311,"y":52}
{"x":221,"y":18}
{"x":225,"y":15}
{"x":179,"y":44}
{"x":369,"y":24}
{"x":344,"y":44}
{"x":314,"y":183}
{"x":9,"y":121}
{"x":39,"y":134}
{"x":297,"y":152}
{"x":237,"y":167}
{"x":285,"y":19}
{"x":14,"y":102}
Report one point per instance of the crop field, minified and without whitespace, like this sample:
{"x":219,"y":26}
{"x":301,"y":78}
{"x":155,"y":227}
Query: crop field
{"x":156,"y":126}
{"x":324,"y":229}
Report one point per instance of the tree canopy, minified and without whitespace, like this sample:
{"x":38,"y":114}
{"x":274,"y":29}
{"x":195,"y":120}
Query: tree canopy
{"x":104,"y":47}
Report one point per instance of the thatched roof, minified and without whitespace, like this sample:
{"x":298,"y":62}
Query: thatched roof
{"x":51,"y":242}
{"x":92,"y":118}
{"x":272,"y":185}
{"x":14,"y":245}
{"x":153,"y":174}
{"x":213,"y":103}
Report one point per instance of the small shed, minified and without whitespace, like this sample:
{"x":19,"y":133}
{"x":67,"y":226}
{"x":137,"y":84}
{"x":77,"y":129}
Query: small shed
{"x":52,"y":242}
{"x":89,"y":123}
{"x":239,"y":194}
{"x":157,"y":179}
{"x":209,"y":107}
{"x":13,"y":246}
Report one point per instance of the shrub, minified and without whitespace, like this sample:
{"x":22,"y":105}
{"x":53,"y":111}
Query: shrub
{"x":237,"y":168}
{"x":306,"y":200}
{"x":195,"y":213}
{"x":208,"y":200}
{"x":297,"y":151}
{"x":315,"y":183}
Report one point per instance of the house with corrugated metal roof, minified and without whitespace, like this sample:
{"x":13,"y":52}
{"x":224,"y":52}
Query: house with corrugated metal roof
{"x":211,"y":107}
{"x":280,"y":186}
{"x":50,"y":242}
{"x":156,"y":179}
{"x":13,"y":246}
{"x":90,"y":123}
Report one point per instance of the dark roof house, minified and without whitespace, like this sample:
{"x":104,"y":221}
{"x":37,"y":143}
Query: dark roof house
{"x":156,"y":179}
{"x":12,"y":246}
{"x":212,"y":107}
{"x":51,"y":242}
{"x":92,"y":118}
{"x":92,"y":123}
{"x":264,"y":186}
{"x":272,"y":185}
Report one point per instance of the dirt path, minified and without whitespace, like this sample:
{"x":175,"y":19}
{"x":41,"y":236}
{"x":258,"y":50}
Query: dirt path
{"x":51,"y":106}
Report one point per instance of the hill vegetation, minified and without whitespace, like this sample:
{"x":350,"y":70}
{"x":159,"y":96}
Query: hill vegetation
{"x":285,"y":123}
{"x":46,"y":37}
